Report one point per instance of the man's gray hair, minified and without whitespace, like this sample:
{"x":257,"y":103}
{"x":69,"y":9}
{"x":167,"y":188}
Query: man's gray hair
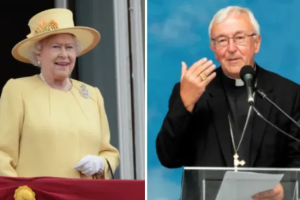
{"x":222,"y":14}
{"x":36,"y":49}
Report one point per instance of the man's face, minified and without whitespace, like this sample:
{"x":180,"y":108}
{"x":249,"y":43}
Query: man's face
{"x":241,"y":47}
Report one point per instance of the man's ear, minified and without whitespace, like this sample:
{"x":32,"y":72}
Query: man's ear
{"x":257,"y":43}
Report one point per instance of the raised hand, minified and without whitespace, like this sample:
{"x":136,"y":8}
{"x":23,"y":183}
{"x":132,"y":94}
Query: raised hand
{"x":194,"y":81}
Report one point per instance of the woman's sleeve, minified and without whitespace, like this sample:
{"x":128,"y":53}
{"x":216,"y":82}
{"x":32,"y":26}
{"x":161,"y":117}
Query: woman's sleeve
{"x":107,"y":152}
{"x":11,"y":121}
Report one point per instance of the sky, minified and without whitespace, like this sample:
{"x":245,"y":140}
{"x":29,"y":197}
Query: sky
{"x":178,"y":31}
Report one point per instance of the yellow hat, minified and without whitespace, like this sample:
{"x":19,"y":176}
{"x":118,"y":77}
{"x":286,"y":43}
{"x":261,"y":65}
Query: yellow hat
{"x":55,"y":21}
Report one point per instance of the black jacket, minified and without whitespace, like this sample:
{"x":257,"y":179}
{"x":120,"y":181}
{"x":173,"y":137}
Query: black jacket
{"x":202,"y":138}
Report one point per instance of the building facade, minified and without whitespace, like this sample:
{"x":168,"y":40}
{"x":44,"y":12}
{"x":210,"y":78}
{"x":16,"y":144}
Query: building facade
{"x":116,"y":66}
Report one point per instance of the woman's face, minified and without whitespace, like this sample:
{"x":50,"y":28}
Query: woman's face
{"x":58,"y":56}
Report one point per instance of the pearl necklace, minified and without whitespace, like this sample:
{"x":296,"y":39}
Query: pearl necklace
{"x":65,"y":89}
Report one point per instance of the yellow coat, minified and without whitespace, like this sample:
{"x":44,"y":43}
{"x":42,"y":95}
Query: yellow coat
{"x":46,"y":132}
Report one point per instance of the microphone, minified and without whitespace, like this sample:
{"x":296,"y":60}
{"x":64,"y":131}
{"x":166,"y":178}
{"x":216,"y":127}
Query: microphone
{"x":264,"y":96}
{"x":247,"y":74}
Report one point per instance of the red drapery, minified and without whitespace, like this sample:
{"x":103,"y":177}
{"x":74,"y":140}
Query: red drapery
{"x":48,"y":188}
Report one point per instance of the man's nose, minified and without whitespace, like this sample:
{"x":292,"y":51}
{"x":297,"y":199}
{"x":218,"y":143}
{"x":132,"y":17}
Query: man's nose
{"x":231,"y":46}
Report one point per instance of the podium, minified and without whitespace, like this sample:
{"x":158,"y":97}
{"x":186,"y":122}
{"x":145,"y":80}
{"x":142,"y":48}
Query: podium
{"x":213,"y":183}
{"x":49,"y":188}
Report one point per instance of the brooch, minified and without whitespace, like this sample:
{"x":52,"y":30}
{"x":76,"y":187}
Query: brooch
{"x":84,"y":92}
{"x":24,"y":193}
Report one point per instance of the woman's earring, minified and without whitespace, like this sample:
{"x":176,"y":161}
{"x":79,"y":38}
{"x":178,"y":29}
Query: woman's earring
{"x":39,"y":63}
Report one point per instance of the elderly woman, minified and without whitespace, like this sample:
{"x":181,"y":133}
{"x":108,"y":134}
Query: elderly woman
{"x":51,"y":125}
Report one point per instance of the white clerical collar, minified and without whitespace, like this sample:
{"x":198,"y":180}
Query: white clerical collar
{"x":239,"y":82}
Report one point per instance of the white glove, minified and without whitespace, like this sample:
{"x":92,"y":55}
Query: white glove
{"x":90,"y":165}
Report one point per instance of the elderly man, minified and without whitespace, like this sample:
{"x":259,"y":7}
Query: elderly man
{"x":209,"y":119}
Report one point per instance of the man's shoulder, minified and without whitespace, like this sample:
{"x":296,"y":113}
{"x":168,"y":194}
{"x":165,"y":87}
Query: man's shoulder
{"x":278,"y":81}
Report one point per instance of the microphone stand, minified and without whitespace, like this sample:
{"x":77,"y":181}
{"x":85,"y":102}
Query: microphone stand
{"x":261,"y":116}
{"x":264,"y":96}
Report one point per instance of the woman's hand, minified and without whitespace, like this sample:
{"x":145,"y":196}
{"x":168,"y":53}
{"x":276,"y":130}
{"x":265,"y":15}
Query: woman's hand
{"x":90,"y":165}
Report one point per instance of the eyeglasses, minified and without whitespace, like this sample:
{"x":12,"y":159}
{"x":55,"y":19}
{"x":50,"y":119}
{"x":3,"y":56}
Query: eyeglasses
{"x":239,"y":39}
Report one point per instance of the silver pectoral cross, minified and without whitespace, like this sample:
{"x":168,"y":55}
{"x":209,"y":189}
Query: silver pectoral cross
{"x":237,"y":162}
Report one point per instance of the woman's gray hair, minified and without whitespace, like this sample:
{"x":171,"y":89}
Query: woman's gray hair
{"x":36,"y":49}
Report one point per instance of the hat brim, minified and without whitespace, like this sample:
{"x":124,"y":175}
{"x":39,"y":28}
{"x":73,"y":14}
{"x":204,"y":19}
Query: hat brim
{"x":87,"y":37}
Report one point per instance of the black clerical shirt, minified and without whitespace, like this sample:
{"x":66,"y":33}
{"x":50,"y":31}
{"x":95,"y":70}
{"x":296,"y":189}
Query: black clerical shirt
{"x":236,"y":94}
